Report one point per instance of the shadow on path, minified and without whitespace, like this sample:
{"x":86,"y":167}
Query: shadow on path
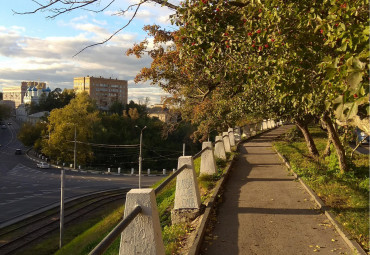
{"x":265,"y":211}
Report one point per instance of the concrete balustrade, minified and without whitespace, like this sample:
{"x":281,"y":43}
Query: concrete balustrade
{"x":225,"y":138}
{"x":187,"y":195}
{"x":220,"y":148}
{"x":208,"y":162}
{"x":231,"y":136}
{"x":264,"y":125}
{"x":187,"y":191}
{"x":237,"y":134}
{"x":269,"y":125}
{"x":143,"y":235}
{"x":246,"y":131}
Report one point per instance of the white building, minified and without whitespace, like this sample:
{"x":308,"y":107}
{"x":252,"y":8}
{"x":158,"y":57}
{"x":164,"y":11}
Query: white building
{"x":33,"y":94}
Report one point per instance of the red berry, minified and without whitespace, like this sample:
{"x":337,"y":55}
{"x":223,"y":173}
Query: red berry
{"x":259,"y":10}
{"x":226,"y":34}
{"x":355,"y":96}
{"x":193,"y":43}
{"x":272,"y":40}
{"x":260,"y":48}
{"x":253,"y":45}
{"x":217,"y":9}
{"x":266,"y":45}
{"x":249,"y":33}
{"x":321,"y":31}
{"x":227,"y":46}
{"x":258,"y":31}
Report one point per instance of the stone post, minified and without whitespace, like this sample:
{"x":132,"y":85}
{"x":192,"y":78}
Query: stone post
{"x":187,"y":196}
{"x":225,"y":138}
{"x":246,"y":131}
{"x":132,"y":171}
{"x":219,"y":148}
{"x":173,"y":170}
{"x":143,"y":235}
{"x":231,"y":136}
{"x":207,"y":161}
{"x":148,"y":171}
{"x":119,"y":170}
{"x":264,"y":125}
{"x":164,"y":171}
{"x":108,"y":169}
{"x":237,"y":134}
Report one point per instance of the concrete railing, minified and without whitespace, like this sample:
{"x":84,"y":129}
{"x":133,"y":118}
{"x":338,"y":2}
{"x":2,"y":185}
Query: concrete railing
{"x":141,"y":218}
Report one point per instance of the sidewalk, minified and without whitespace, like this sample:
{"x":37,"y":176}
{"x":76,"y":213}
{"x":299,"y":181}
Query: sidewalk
{"x":266,"y":212}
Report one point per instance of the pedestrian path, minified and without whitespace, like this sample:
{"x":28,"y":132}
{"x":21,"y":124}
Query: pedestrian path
{"x":266,"y":212}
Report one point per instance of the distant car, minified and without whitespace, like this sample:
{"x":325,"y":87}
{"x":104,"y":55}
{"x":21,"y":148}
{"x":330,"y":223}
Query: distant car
{"x":3,"y":126}
{"x":361,"y":135}
{"x":9,"y":123}
{"x":18,"y":152}
{"x":43,"y":165}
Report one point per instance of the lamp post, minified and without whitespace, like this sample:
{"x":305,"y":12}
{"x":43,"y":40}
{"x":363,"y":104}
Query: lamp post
{"x":75,"y":149}
{"x":140,"y":158}
{"x":75,"y":145}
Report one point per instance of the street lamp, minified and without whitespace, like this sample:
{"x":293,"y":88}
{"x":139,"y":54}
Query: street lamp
{"x":140,"y":158}
{"x":75,"y":147}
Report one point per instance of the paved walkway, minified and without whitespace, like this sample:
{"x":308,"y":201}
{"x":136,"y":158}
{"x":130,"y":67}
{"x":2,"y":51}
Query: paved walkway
{"x":266,"y":212}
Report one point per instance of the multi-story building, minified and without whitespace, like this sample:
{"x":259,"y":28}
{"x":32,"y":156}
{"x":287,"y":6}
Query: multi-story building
{"x":103,"y":91}
{"x":162,"y":113}
{"x":14,"y":96}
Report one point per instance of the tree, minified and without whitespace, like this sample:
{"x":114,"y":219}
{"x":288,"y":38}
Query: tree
{"x":80,"y":114}
{"x":5,"y":111}
{"x":30,"y":133}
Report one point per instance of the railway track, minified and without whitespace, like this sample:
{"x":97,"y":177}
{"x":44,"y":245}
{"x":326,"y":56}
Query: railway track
{"x":17,"y":236}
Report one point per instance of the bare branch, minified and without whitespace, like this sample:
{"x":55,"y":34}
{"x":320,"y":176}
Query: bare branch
{"x":110,"y":37}
{"x":103,"y":9}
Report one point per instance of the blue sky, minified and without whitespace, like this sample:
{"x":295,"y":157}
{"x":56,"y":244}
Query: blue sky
{"x":35,"y":48}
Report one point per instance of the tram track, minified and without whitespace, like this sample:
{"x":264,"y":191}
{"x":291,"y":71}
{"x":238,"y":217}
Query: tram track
{"x":17,"y":236}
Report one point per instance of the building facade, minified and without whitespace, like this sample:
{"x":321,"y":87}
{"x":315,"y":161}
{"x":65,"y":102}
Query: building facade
{"x":34,"y":93}
{"x":162,"y":113}
{"x":14,"y":96}
{"x":104,"y":91}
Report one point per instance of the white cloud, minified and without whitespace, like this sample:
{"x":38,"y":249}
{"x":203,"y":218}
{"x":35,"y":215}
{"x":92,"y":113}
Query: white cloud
{"x":50,"y":60}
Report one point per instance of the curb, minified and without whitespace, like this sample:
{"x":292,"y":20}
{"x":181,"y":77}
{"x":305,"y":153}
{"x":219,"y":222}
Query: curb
{"x":88,"y":171}
{"x":195,"y":248}
{"x":324,"y":208}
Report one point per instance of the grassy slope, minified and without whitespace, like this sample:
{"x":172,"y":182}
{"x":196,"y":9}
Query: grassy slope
{"x":172,"y":235}
{"x":347,"y":195}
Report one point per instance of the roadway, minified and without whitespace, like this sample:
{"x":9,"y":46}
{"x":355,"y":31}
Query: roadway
{"x":25,"y":188}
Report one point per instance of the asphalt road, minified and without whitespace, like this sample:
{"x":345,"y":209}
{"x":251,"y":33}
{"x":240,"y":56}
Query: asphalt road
{"x":25,"y":188}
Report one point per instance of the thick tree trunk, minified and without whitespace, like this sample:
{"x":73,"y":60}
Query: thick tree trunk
{"x":334,"y":137}
{"x":307,"y":136}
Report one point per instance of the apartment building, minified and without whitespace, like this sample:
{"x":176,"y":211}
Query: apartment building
{"x":104,"y":91}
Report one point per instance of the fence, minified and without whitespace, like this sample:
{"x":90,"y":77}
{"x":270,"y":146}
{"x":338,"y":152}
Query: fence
{"x":140,"y":229}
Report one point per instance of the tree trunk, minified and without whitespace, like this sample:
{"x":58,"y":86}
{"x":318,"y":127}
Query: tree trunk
{"x":327,"y":151}
{"x":307,"y":136}
{"x":337,"y":144}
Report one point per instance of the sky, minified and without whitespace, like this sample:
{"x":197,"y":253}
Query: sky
{"x":35,"y":48}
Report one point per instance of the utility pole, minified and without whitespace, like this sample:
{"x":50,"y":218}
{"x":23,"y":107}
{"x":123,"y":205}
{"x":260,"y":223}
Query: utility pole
{"x":140,"y":157}
{"x":61,"y":217}
{"x":75,"y":149}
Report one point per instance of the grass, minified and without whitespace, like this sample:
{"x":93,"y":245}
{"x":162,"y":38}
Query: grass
{"x":346,"y":194}
{"x":173,"y":235}
{"x":50,"y":244}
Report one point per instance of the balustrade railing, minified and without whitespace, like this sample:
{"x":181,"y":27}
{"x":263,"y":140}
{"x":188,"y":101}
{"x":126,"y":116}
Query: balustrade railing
{"x":186,"y":183}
